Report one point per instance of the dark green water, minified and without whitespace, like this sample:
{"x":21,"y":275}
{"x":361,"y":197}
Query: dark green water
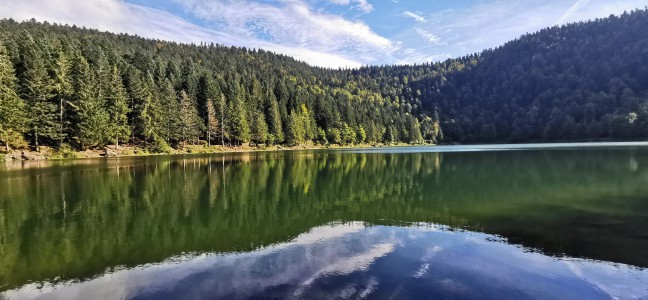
{"x":499,"y":222}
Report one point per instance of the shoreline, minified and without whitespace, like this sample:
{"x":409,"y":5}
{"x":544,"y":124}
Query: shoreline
{"x":51,"y":154}
{"x":48,"y":153}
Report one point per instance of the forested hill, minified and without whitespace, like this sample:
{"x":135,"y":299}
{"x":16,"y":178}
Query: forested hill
{"x":67,"y":85}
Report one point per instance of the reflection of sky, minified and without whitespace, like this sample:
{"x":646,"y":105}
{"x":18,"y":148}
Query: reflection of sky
{"x":354,"y":261}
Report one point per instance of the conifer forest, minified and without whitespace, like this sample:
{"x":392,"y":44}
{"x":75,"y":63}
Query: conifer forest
{"x":76,"y":87}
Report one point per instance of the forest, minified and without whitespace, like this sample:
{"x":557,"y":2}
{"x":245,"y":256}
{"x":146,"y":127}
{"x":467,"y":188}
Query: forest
{"x":65,"y":86}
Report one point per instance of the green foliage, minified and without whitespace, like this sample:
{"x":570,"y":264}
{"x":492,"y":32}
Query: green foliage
{"x":118,"y":110}
{"x":414,"y":131}
{"x":170,"y":127}
{"x":274,"y":119}
{"x":191,"y":126}
{"x":92,"y":119}
{"x":36,"y":89}
{"x":362,"y":135}
{"x":296,"y":134}
{"x":63,"y":92}
{"x":321,"y":136}
{"x":212,"y":122}
{"x":239,"y":125}
{"x":259,"y":129}
{"x":13,"y":117}
{"x":64,"y":152}
{"x":334,"y":135}
{"x":348,"y":134}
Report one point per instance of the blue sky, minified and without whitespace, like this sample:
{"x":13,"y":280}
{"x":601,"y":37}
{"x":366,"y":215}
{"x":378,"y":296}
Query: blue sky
{"x":329,"y":33}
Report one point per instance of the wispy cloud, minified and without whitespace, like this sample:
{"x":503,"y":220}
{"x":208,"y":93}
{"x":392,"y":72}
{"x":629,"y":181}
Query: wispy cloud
{"x":430,"y":37}
{"x":361,"y":5}
{"x":572,"y":9}
{"x":293,"y":24}
{"x":415,"y":16}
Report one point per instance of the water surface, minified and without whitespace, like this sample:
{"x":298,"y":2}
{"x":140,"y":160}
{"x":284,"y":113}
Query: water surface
{"x":499,"y":221}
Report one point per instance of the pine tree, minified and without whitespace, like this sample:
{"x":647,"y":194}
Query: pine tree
{"x":63,"y":90}
{"x":222,"y":108}
{"x":414,"y":131}
{"x":296,"y":134}
{"x":171,"y":125}
{"x":89,"y":107}
{"x":192,"y":125}
{"x":239,"y":125}
{"x":348,"y":134}
{"x":204,"y":92}
{"x":308,"y":121}
{"x":259,"y":128}
{"x":37,"y":89}
{"x":212,"y":122}
{"x":436,"y":127}
{"x":13,"y":118}
{"x":362,"y":134}
{"x":116,"y":100}
{"x":144,"y":114}
{"x":274,"y":119}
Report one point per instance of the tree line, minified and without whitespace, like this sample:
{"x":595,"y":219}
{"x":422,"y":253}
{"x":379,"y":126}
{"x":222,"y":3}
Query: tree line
{"x":64,"y":85}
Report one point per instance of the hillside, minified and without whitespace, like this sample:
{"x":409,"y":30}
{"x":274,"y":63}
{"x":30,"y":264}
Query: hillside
{"x":63,"y":85}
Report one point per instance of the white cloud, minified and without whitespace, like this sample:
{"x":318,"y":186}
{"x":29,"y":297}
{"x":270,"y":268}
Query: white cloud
{"x":294,"y":24}
{"x":291,"y":28}
{"x":361,"y":5}
{"x":430,"y":37}
{"x":415,"y":16}
{"x":100,"y":14}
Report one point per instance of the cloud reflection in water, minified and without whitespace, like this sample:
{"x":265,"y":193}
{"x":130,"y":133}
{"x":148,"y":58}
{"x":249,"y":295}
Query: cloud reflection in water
{"x":351,"y":260}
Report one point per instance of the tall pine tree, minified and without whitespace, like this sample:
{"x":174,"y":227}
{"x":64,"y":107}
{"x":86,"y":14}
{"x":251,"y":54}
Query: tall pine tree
{"x":89,"y":106}
{"x":13,"y":117}
{"x":117,"y":107}
{"x":192,"y":125}
{"x":36,"y":89}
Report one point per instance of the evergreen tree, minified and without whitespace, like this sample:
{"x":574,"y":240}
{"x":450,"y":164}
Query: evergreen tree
{"x":144,"y":107}
{"x":348,"y":134}
{"x":362,"y":134}
{"x":37,"y":89}
{"x":237,"y":112}
{"x":13,"y":117}
{"x":296,"y":134}
{"x":117,"y":107}
{"x":414,"y":131}
{"x":89,"y":107}
{"x":259,"y":128}
{"x":192,"y":125}
{"x":63,"y":90}
{"x":274,"y":119}
{"x":222,"y":109}
{"x":212,"y":122}
{"x":171,"y":125}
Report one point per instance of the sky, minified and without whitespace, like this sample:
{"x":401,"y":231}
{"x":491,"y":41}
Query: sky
{"x":327,"y":33}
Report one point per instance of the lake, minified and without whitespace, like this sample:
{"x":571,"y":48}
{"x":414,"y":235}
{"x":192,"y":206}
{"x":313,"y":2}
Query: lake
{"x":553,"y":221}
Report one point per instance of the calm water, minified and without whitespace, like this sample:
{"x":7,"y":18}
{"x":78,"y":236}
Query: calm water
{"x":500,"y":221}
